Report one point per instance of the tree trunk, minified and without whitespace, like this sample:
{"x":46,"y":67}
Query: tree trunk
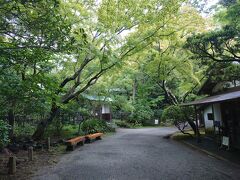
{"x":38,"y":134}
{"x":168,"y":94}
{"x":193,"y":126}
{"x":11,"y":120}
{"x":134,"y":90}
{"x":174,"y":101}
{"x":79,"y":125}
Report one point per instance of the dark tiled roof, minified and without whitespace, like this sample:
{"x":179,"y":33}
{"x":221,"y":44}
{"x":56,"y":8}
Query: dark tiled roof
{"x":229,"y":95}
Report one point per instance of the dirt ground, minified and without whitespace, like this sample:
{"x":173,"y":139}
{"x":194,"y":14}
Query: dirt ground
{"x":25,"y":168}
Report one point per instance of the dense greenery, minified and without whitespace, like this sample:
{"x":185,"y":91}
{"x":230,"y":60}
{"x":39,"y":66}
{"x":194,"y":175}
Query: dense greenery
{"x":122,"y":124}
{"x":95,"y":125}
{"x":219,"y":48}
{"x":4,"y":128}
{"x":145,"y":55}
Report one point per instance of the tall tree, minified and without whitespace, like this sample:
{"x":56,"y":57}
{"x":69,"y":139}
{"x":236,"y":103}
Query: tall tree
{"x":30,"y":33}
{"x":109,"y":31}
{"x":222,"y":44}
{"x":219,"y":48}
{"x":162,"y":72}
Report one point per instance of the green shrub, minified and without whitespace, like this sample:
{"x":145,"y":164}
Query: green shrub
{"x":55,"y":128}
{"x":148,"y":122}
{"x":158,"y":114}
{"x":180,"y":116}
{"x":172,"y":114}
{"x":4,"y":128}
{"x":96,"y":125}
{"x":24,"y":130}
{"x":177,"y":114}
{"x":123,"y":124}
{"x":69,"y":131}
{"x":141,"y":114}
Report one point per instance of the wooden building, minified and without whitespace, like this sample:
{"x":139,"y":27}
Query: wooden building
{"x":221,"y":112}
{"x":101,"y":106}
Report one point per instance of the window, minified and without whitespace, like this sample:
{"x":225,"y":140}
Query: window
{"x":210,"y":116}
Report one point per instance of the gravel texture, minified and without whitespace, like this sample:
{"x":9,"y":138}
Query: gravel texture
{"x":141,"y":154}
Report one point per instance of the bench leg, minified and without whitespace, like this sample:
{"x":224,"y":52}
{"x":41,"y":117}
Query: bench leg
{"x":70,"y":148}
{"x":81,"y":143}
{"x":88,"y":141}
{"x":98,"y":138}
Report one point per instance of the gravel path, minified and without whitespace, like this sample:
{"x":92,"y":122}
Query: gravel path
{"x":139,"y":154}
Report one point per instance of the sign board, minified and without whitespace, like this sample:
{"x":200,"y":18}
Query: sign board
{"x":156,"y":121}
{"x":225,"y":141}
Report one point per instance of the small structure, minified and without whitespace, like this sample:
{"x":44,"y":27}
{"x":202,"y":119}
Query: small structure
{"x":220,"y":111}
{"x":101,"y":106}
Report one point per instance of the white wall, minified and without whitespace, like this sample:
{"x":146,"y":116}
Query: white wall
{"x":105,"y":109}
{"x":208,"y":123}
{"x":217,"y":114}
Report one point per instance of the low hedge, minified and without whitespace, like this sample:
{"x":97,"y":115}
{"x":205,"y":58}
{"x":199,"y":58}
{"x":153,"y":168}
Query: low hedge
{"x":96,"y":125}
{"x":123,"y":124}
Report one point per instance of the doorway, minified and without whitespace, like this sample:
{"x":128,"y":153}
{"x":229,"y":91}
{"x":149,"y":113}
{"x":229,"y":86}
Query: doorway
{"x":231,"y":122}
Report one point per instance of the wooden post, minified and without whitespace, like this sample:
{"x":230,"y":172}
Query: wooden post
{"x":197,"y":126}
{"x":48,"y":143}
{"x":12,"y":165}
{"x":30,"y":153}
{"x":214,"y":128}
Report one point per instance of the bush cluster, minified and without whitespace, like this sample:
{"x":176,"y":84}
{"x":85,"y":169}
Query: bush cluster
{"x":96,"y":125}
{"x":24,"y":130}
{"x":177,"y":114}
{"x":123,"y":124}
{"x":141,"y":115}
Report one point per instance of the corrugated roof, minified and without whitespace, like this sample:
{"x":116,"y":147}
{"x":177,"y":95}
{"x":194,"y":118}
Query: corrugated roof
{"x":214,"y":99}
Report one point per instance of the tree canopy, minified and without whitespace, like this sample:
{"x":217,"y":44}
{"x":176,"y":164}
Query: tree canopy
{"x":143,"y":54}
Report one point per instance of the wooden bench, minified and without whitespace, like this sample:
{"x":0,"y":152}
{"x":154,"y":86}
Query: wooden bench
{"x":91,"y":137}
{"x":72,"y":143}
